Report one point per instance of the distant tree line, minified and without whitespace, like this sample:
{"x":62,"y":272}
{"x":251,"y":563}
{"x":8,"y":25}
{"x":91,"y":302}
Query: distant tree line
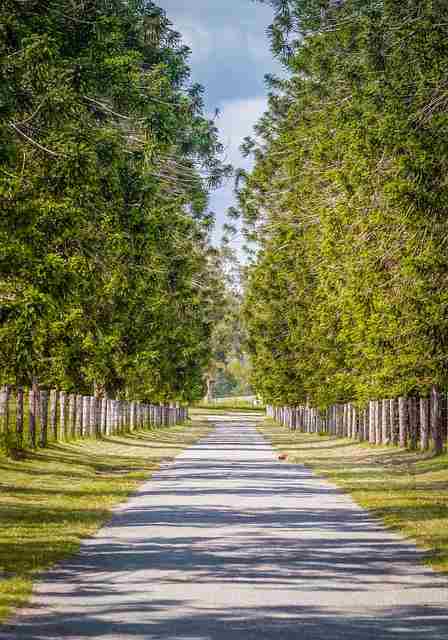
{"x":107,"y":276}
{"x":347,"y":293}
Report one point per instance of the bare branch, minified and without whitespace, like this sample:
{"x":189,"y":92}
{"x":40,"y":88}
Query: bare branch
{"x":33,"y":142}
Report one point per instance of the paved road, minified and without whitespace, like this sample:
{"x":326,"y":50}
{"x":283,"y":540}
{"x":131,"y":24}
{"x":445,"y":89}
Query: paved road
{"x":227,"y":543}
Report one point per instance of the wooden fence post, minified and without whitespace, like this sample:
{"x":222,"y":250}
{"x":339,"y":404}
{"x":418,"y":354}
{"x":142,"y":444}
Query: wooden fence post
{"x":385,"y":422}
{"x":72,"y":415}
{"x":108,"y":417}
{"x":103,"y":419}
{"x":62,"y":414}
{"x":86,"y":416}
{"x":115,"y":417}
{"x":43,"y":397}
{"x":355,"y":422}
{"x":443,"y":416}
{"x":403,"y":419}
{"x":54,"y":414}
{"x":413,"y":423}
{"x":132,"y":416}
{"x":4,"y":409}
{"x":79,"y":417}
{"x":424,"y":424}
{"x":94,"y":417}
{"x":19,"y":417}
{"x":436,"y":421}
{"x":378,"y":416}
{"x":118,"y":416}
{"x":371,"y":416}
{"x":360,"y":425}
{"x":32,"y":416}
{"x":111,"y":414}
{"x":394,"y":421}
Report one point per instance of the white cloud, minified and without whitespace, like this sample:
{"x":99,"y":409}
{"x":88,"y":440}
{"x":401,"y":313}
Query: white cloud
{"x":258,"y":48}
{"x":196,"y":37}
{"x":207,"y":41}
{"x":237,"y":120}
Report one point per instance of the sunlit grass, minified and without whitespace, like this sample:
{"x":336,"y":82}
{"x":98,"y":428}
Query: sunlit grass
{"x":407,"y":489}
{"x":55,"y":497}
{"x":219,"y":409}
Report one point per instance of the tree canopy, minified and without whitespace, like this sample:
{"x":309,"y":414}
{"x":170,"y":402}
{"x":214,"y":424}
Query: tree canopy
{"x":106,"y":163}
{"x":347,"y":204}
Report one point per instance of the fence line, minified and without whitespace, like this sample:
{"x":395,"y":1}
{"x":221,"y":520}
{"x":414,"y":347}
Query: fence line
{"x":407,"y":422}
{"x":34,"y":417}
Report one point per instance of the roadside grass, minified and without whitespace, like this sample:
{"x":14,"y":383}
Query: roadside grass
{"x":408,"y":490}
{"x":54,"y":497}
{"x":211,"y":408}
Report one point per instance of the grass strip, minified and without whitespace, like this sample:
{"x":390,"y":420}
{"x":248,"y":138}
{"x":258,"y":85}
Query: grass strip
{"x":211,"y":409}
{"x":55,"y":497}
{"x":408,"y":490}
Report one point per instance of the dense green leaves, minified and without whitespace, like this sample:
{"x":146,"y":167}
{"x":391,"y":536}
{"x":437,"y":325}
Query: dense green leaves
{"x":105,"y":166}
{"x":348,"y":201}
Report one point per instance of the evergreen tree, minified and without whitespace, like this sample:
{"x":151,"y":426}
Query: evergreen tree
{"x":105,"y":167}
{"x":347,"y":201}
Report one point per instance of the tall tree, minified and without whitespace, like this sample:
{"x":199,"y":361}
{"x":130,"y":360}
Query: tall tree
{"x":347,"y":201}
{"x":105,"y":168}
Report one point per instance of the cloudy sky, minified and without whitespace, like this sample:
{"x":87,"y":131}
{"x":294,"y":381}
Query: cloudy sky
{"x":230,"y":57}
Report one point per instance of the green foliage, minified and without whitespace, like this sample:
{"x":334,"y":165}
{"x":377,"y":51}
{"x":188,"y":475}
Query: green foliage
{"x":105,"y":166}
{"x":228,"y":370}
{"x":348,"y":200}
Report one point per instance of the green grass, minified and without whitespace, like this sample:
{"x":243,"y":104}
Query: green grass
{"x":55,"y":497}
{"x":408,"y":490}
{"x":223,"y":407}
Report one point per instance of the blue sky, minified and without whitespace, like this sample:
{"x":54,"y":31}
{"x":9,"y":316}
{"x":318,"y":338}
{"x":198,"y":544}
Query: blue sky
{"x":230,"y":57}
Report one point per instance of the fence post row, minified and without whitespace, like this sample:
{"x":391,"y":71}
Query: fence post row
{"x":413,"y":422}
{"x":37,"y":416}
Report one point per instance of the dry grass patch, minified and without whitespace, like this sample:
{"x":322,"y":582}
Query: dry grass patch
{"x":55,"y":497}
{"x":408,"y":490}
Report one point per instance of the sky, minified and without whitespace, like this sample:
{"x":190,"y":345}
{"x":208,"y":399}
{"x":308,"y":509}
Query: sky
{"x":230,"y":57}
